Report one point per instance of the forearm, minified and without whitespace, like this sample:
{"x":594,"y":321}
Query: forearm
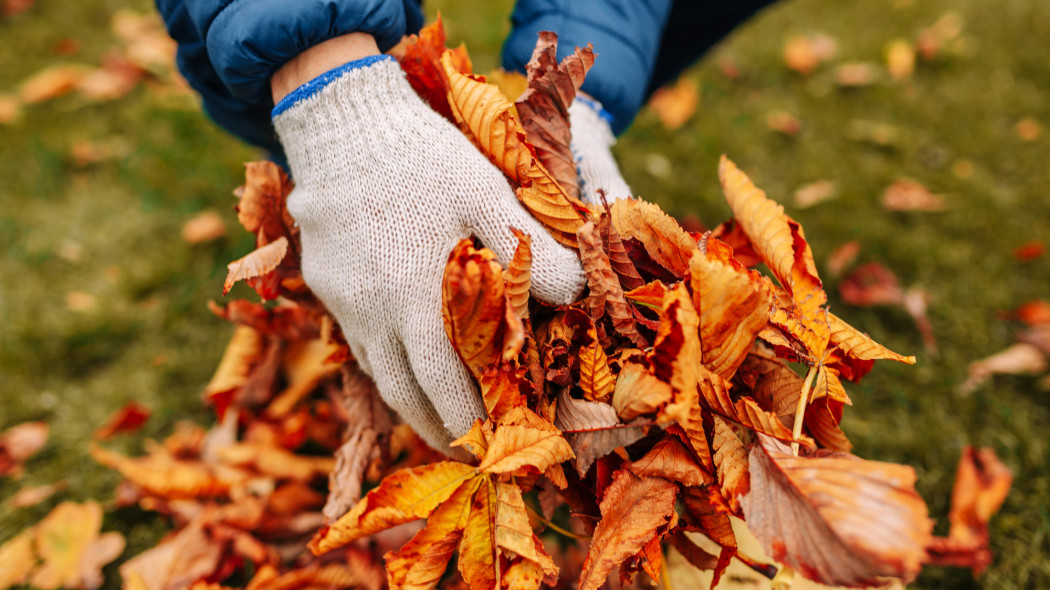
{"x":319,"y":59}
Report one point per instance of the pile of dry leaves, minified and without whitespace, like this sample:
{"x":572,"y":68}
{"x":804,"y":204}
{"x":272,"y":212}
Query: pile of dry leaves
{"x":662,"y":403}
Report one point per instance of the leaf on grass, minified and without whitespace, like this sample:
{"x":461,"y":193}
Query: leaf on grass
{"x":260,"y":262}
{"x":982,"y":483}
{"x":493,"y":125}
{"x":129,"y":418}
{"x":663,"y":239}
{"x":518,"y":275}
{"x":780,"y":242}
{"x":606,"y":296}
{"x":20,"y":442}
{"x":176,"y":562}
{"x":836,"y":519}
{"x":675,"y":104}
{"x":544,"y":106}
{"x":71,"y":548}
{"x":871,"y":284}
{"x":17,"y":559}
{"x":525,"y":440}
{"x":908,"y":195}
{"x":731,"y":461}
{"x":1020,"y":359}
{"x":633,"y":509}
{"x":404,"y":496}
{"x":51,"y":83}
{"x":206,"y":226}
{"x":592,"y":430}
{"x":734,"y":307}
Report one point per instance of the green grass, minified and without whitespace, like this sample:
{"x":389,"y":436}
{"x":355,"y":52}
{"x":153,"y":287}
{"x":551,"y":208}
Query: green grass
{"x":111,"y":230}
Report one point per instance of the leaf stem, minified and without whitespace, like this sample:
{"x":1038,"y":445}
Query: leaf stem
{"x":553,"y":526}
{"x":800,"y":411}
{"x":665,"y":575}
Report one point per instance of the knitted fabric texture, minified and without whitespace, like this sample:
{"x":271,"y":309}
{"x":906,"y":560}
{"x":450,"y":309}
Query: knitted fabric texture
{"x":385,"y":188}
{"x":592,"y":139}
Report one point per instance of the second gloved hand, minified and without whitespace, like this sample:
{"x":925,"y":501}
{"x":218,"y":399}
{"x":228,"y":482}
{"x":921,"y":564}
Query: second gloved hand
{"x":385,"y":187}
{"x":592,"y":141}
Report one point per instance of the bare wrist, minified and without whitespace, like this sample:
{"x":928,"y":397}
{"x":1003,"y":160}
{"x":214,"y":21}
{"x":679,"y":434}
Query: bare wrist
{"x":319,"y":59}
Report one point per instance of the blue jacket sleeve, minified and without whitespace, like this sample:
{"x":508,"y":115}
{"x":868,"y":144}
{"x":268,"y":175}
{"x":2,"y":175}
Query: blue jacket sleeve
{"x":626,"y":36}
{"x":229,"y":49}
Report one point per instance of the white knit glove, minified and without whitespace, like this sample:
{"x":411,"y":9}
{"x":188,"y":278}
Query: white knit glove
{"x":592,"y":140}
{"x":385,"y":187}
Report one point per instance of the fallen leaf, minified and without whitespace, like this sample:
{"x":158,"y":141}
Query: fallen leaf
{"x":206,"y":226}
{"x":1028,"y":129}
{"x":544,"y":107}
{"x":731,"y":462}
{"x":900,"y":59}
{"x":842,"y":258}
{"x":815,"y":193}
{"x":783,"y":122}
{"x":804,"y":54}
{"x":935,"y":37}
{"x":421,"y":61}
{"x":871,"y":284}
{"x":675,"y":104}
{"x":10,"y":108}
{"x":160,"y":474}
{"x":80,"y":301}
{"x":633,"y":509}
{"x":592,"y":430}
{"x":1030,"y":251}
{"x":17,"y":559}
{"x":908,"y":195}
{"x":606,"y":294}
{"x":857,"y":73}
{"x":32,"y":496}
{"x":670,"y":460}
{"x":536,"y":444}
{"x":51,"y":82}
{"x":176,"y":562}
{"x":1020,"y":359}
{"x":874,"y":132}
{"x":596,"y":378}
{"x":836,"y":519}
{"x":1034,"y":313}
{"x":242,"y":354}
{"x":71,"y":548}
{"x":259,"y":263}
{"x":129,"y":418}
{"x":19,"y":443}
{"x":639,"y":392}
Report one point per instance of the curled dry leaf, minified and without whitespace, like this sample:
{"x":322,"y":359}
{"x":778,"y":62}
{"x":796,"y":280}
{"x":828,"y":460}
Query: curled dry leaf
{"x":421,"y":60}
{"x":836,"y":519}
{"x":633,"y":510}
{"x":661,"y":236}
{"x":17,"y":559}
{"x":518,"y":275}
{"x":260,"y":262}
{"x":592,"y":430}
{"x":606,"y":296}
{"x":206,"y":226}
{"x":526,"y":441}
{"x":871,"y":284}
{"x":731,"y":461}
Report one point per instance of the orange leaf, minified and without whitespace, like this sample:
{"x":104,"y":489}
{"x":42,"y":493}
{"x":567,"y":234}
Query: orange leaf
{"x":422,"y":63}
{"x":714,"y":395}
{"x":618,"y":257}
{"x":908,"y":195}
{"x":606,"y":296}
{"x":51,"y":82}
{"x":732,"y":463}
{"x":670,"y":460}
{"x":596,"y":378}
{"x":305,"y":364}
{"x":639,"y":392}
{"x":206,"y":226}
{"x":857,"y":346}
{"x":780,"y":242}
{"x":518,"y":276}
{"x":72,"y":551}
{"x":633,"y":509}
{"x":675,"y":104}
{"x":650,"y":295}
{"x":256,"y":264}
{"x":17,"y":559}
{"x":129,"y":418}
{"x":544,"y":106}
{"x":733,"y":303}
{"x":675,"y":357}
{"x":20,"y":442}
{"x":160,"y":474}
{"x":242,"y":354}
{"x":404,"y":496}
{"x":176,"y":562}
{"x":525,"y":440}
{"x":592,"y":429}
{"x":661,"y":236}
{"x":261,"y":202}
{"x":421,"y":561}
{"x":836,"y":519}
{"x":478,"y":553}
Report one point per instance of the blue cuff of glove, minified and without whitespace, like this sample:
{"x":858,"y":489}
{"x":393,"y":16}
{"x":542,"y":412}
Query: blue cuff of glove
{"x":319,"y":83}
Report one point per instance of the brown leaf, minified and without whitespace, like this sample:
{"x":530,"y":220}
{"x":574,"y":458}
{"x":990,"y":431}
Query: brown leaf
{"x":160,"y":474}
{"x":732,"y":463}
{"x":494,"y":127}
{"x":32,"y":496}
{"x":1020,"y":359}
{"x":618,"y":258}
{"x":857,"y":73}
{"x":261,"y":202}
{"x":804,"y":54}
{"x":783,"y":122}
{"x":733,"y":303}
{"x":129,"y":418}
{"x":908,"y":195}
{"x":707,"y":512}
{"x":518,"y":275}
{"x":260,"y":262}
{"x":714,"y":395}
{"x":478,"y":554}
{"x":242,"y":354}
{"x":206,"y":226}
{"x":815,"y":193}
{"x":639,"y":392}
{"x":592,"y":430}
{"x":650,"y":295}
{"x":842,"y":258}
{"x":670,"y":460}
{"x":780,"y":242}
{"x":305,"y":364}
{"x":982,"y":483}
{"x":633,"y":509}
{"x":20,"y":442}
{"x":606,"y":296}
{"x":836,"y":519}
{"x":177,"y":561}
{"x":404,"y":496}
{"x":871,"y":284}
{"x":675,"y":104}
{"x":858,"y":346}
{"x":544,"y":106}
{"x":71,"y":548}
{"x":661,"y":236}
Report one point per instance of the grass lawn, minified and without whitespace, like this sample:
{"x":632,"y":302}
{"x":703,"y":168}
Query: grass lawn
{"x":103,"y":302}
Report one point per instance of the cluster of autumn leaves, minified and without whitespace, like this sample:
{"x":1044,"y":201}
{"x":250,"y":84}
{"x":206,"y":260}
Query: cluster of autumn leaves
{"x":655,"y":408}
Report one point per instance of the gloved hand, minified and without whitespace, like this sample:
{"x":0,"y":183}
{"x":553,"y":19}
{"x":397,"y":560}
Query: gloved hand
{"x":385,"y":187}
{"x":592,"y":140}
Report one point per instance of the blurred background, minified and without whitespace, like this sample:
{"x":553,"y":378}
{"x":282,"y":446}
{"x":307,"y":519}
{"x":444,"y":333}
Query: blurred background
{"x":908,"y":137}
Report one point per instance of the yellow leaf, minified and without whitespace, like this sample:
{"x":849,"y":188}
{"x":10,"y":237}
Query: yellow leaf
{"x":639,"y":392}
{"x":17,"y":559}
{"x":518,"y":275}
{"x":533,"y":443}
{"x":73,"y":552}
{"x":160,"y":474}
{"x":478,"y":557}
{"x":596,"y":378}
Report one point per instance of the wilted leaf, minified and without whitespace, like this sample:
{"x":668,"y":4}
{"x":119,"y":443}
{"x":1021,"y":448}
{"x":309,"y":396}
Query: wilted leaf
{"x":734,"y":307}
{"x":633,"y":509}
{"x":51,"y":82}
{"x":305,"y":364}
{"x":731,"y":460}
{"x":32,"y":496}
{"x":71,"y":548}
{"x":592,"y":430}
{"x":661,"y":236}
{"x":129,"y":418}
{"x":908,"y":195}
{"x":804,"y":54}
{"x":842,"y":258}
{"x":518,"y":275}
{"x":606,"y":294}
{"x":639,"y":392}
{"x":261,"y":202}
{"x":204,"y":227}
{"x":422,"y":62}
{"x":404,"y":496}
{"x":20,"y":442}
{"x":242,"y":354}
{"x":544,"y":106}
{"x":856,"y":73}
{"x":260,"y":262}
{"x":836,"y":519}
{"x":871,"y":284}
{"x":1029,"y":251}
{"x":618,"y":258}
{"x":675,"y":104}
{"x":1028,"y":129}
{"x":670,"y":460}
{"x":783,"y":122}
{"x":856,"y":345}
{"x":596,"y":378}
{"x":982,"y":483}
